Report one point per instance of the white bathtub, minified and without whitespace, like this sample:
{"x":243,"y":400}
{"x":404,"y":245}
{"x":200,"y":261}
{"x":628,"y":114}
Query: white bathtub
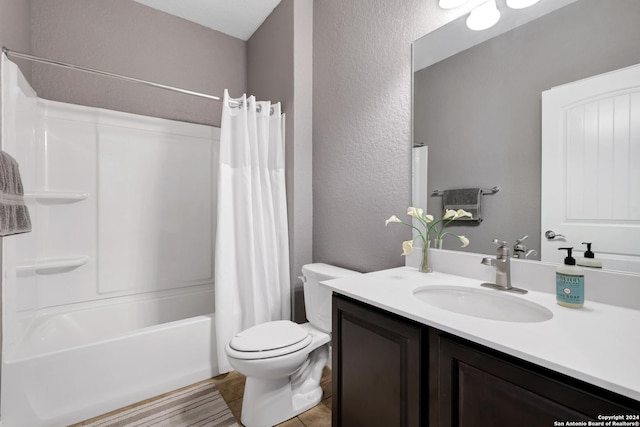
{"x":73,"y":365}
{"x":107,"y":300}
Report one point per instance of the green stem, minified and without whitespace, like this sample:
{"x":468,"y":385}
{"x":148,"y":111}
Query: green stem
{"x":448,"y":232}
{"x":422,"y":221}
{"x":415,"y":228}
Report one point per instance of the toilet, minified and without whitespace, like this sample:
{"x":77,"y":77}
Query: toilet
{"x":283,"y":360}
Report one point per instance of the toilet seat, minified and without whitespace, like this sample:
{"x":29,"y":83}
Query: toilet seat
{"x":268,"y":340}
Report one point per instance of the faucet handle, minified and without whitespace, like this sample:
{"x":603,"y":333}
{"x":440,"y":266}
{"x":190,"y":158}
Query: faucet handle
{"x":522,"y":239}
{"x":500,"y":242}
{"x":503,"y":250}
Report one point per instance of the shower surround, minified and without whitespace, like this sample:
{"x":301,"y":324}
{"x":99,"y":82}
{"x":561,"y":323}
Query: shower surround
{"x":108,"y":300}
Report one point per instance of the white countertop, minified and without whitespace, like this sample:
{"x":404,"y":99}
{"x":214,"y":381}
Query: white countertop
{"x":599,"y":343}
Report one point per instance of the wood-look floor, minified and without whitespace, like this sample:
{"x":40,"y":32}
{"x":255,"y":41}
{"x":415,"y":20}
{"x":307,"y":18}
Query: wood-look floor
{"x":231,"y":386}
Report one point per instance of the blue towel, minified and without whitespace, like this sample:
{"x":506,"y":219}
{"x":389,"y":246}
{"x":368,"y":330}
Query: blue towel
{"x":14,"y":215}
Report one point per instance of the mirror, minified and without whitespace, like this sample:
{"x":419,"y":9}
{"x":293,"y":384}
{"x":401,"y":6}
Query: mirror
{"x":477,"y":105}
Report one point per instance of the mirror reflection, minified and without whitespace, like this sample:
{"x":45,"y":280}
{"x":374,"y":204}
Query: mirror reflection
{"x":478,"y":114}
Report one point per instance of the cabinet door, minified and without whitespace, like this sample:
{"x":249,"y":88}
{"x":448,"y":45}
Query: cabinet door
{"x":481,"y":389}
{"x":376,"y":367}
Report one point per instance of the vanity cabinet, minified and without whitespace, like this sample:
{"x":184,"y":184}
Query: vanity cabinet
{"x":480,"y":387}
{"x":376,"y":367}
{"x":391,"y":371}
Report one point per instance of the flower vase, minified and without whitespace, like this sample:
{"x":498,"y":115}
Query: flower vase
{"x":425,"y":266}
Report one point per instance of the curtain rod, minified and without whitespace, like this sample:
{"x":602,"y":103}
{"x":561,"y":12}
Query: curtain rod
{"x":9,"y":52}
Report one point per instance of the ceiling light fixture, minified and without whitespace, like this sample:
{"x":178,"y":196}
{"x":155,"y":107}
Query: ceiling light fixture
{"x":521,"y":4}
{"x":450,"y":4}
{"x":484,"y":16}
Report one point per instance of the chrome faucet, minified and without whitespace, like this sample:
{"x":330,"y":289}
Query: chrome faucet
{"x":520,"y":250}
{"x":502,"y":264}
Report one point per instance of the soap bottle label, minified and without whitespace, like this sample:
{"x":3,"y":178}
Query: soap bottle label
{"x":569,"y":289}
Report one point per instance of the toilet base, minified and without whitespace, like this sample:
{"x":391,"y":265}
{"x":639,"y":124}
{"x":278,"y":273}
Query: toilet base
{"x":268,"y":402}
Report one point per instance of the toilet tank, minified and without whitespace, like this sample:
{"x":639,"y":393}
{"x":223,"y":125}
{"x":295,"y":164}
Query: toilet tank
{"x":317,"y":298}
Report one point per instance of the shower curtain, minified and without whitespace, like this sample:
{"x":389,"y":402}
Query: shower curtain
{"x":252,"y":251}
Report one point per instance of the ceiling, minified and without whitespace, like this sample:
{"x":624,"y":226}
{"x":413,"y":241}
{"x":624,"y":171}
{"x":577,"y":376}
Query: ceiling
{"x":237,"y":18}
{"x":456,"y":37}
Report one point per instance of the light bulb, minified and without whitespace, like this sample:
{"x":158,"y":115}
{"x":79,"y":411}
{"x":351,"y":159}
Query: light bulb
{"x":521,"y":4}
{"x":450,"y":4}
{"x":484,"y":16}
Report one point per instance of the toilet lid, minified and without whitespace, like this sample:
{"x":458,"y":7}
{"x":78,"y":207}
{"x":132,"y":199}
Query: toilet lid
{"x":269,"y":336}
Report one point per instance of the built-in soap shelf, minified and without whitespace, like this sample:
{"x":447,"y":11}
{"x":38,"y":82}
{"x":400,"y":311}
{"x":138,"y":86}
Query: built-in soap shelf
{"x":52,"y":265}
{"x":56,"y":197}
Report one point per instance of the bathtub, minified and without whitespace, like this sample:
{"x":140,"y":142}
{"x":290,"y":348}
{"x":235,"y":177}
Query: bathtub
{"x":76,"y":364}
{"x":107,"y":300}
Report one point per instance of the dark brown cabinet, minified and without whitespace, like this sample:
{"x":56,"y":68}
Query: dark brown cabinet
{"x":376,"y":368}
{"x":390,"y":371}
{"x":480,"y":387}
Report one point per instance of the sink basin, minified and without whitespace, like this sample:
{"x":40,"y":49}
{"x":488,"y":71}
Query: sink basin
{"x":481,"y":303}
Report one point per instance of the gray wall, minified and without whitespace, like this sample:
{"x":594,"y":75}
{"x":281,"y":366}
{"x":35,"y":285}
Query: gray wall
{"x":362,"y":125}
{"x":125,"y":37}
{"x":480,"y":110}
{"x":15,"y":29}
{"x":280,"y":69}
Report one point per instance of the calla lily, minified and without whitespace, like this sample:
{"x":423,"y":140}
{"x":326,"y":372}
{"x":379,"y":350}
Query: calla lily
{"x":407,"y":247}
{"x":450,"y":213}
{"x":415,"y":212}
{"x":393,"y":218}
{"x":427,"y":228}
{"x":461,"y":212}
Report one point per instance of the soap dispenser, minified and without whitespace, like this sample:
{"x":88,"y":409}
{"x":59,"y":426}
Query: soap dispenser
{"x":589,"y":259}
{"x":569,"y":283}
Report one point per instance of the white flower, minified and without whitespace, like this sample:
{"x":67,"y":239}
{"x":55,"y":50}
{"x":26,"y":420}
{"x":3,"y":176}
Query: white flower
{"x":461,"y":212}
{"x":429,"y":226}
{"x":450,"y":213}
{"x":407,"y":247}
{"x":393,"y":218}
{"x":415,"y":212}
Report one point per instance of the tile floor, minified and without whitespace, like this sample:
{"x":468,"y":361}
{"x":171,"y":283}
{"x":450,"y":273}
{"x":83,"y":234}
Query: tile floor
{"x":231,"y":386}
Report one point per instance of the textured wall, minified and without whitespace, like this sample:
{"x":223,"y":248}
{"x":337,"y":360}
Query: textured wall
{"x":362,"y":126}
{"x":15,"y":30}
{"x":499,"y":104}
{"x":280,"y":69}
{"x":301,"y":148}
{"x":125,"y":37}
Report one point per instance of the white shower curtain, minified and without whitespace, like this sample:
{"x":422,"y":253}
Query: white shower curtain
{"x":252,"y":250}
